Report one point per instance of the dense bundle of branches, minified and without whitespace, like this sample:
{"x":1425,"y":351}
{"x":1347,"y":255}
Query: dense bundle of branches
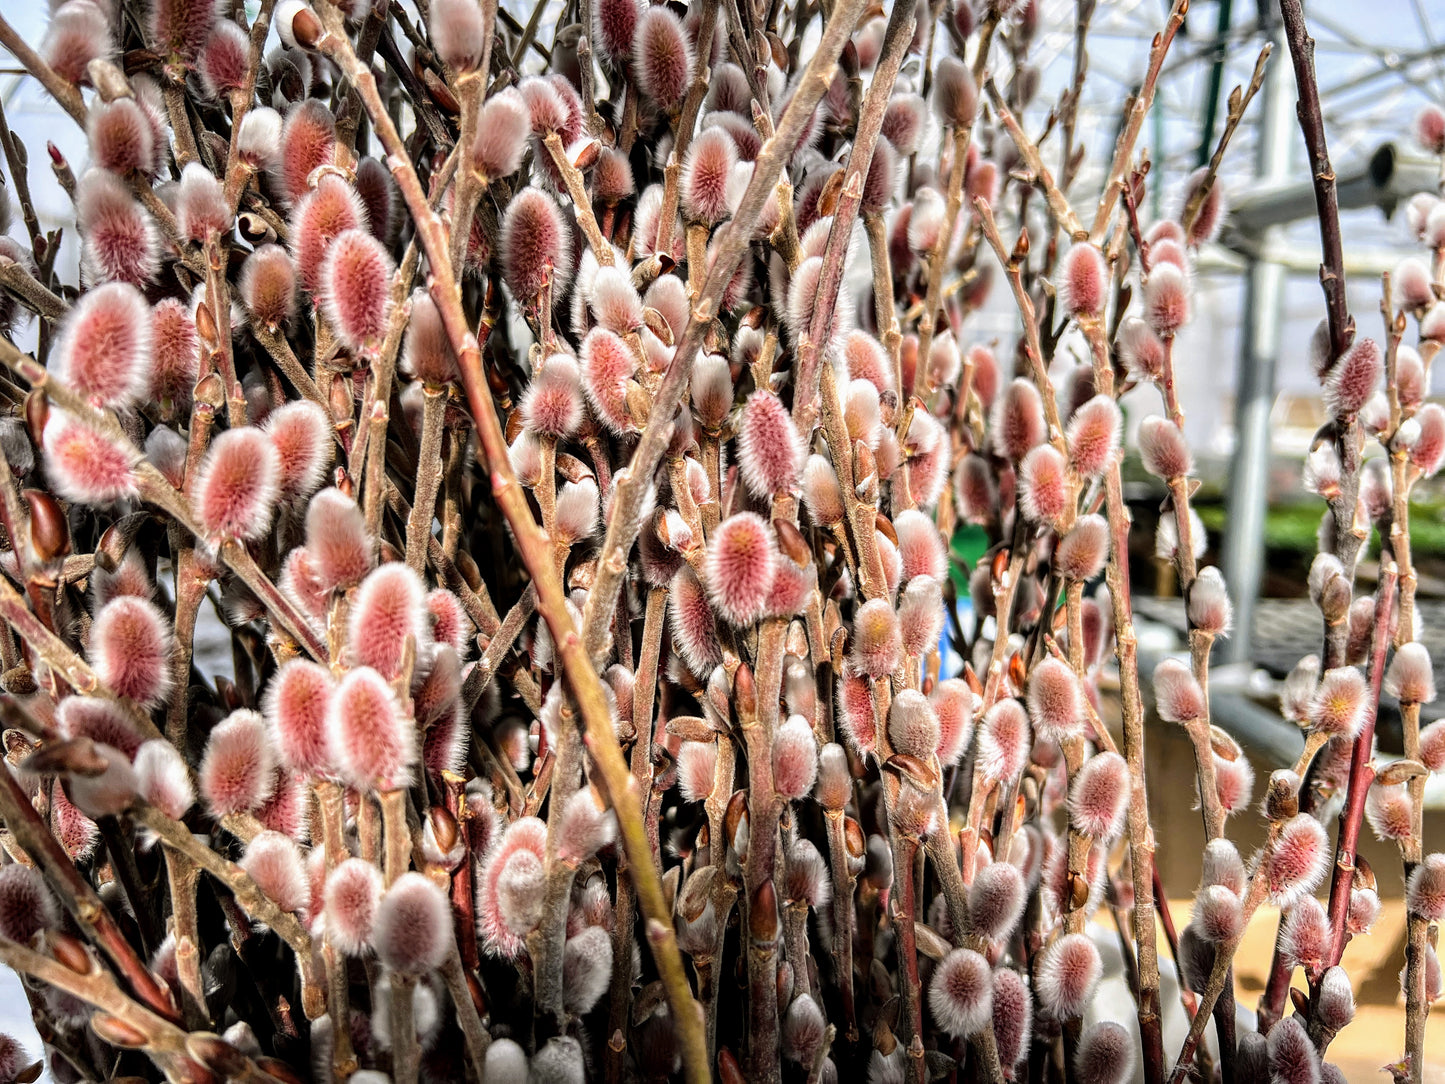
{"x":574,"y":502}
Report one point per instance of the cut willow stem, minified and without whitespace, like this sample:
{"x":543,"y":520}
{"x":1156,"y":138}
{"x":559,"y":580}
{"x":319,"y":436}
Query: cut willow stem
{"x":1417,"y":1002}
{"x":1140,"y":834}
{"x":237,"y":174}
{"x":896,"y":39}
{"x":1028,"y":150}
{"x":331,"y":803}
{"x":405,"y":1051}
{"x":1344,"y":542}
{"x":164,"y":1043}
{"x":15,"y":157}
{"x":428,"y":476}
{"x":545,"y":944}
{"x":396,"y":856}
{"x":644,"y":691}
{"x":181,"y":877}
{"x":1199,"y":643}
{"x":285,"y":358}
{"x":474,"y":1033}
{"x":247,"y":894}
{"x":758,"y":720}
{"x":533,"y":546}
{"x":34,"y":837}
{"x":843,"y":883}
{"x":31,"y":293}
{"x":729,"y":246}
{"x":858,"y":516}
{"x":1138,"y":110}
{"x":1220,"y":974}
{"x":683,"y":124}
{"x":581,"y":203}
{"x":937,"y":262}
{"x":1362,"y":771}
{"x":904,"y":918}
{"x":191,"y":583}
{"x":497,"y":648}
{"x":1417,"y":1006}
{"x":471,"y":88}
{"x":1238,"y":105}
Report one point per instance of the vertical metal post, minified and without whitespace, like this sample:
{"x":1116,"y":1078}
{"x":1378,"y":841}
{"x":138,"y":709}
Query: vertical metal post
{"x":1216,"y":80}
{"x":1248,"y":497}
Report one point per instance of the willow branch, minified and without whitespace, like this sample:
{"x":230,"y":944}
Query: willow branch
{"x":1124,"y":148}
{"x":728,"y":245}
{"x":896,"y":39}
{"x":62,"y":90}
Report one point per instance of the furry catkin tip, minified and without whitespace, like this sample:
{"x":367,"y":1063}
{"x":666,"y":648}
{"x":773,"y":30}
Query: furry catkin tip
{"x":413,"y":926}
{"x":238,"y":485}
{"x":961,"y":994}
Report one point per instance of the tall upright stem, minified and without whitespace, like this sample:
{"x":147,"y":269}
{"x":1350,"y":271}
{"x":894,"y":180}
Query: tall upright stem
{"x":428,"y":476}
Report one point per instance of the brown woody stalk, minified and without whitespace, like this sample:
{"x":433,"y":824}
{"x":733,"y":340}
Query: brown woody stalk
{"x":237,"y":175}
{"x":84,"y":904}
{"x":896,"y":39}
{"x":128,"y":1023}
{"x":904,"y":917}
{"x":581,"y":204}
{"x":1238,"y":102}
{"x":1344,"y":869}
{"x":1058,"y":204}
{"x":545,"y":943}
{"x":684,"y":122}
{"x":1141,"y":836}
{"x":644,"y":691}
{"x":757,"y":706}
{"x":1362,"y":771}
{"x":937,"y":261}
{"x":1143,"y":101}
{"x":1200,"y":643}
{"x":285,"y":358}
{"x":428,"y":477}
{"x":1416,"y":926}
{"x":532,"y":545}
{"x":181,"y":877}
{"x":843,"y":884}
{"x":471,"y":88}
{"x":729,"y":246}
{"x":32,"y":294}
{"x":15,"y":157}
{"x":1344,"y":541}
{"x":331,"y":804}
{"x":1219,"y":975}
{"x":396,"y":855}
{"x":248,"y":895}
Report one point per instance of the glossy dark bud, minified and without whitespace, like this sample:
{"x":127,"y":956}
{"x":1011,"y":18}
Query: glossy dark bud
{"x":49,"y":530}
{"x":745,"y":694}
{"x":763,"y":914}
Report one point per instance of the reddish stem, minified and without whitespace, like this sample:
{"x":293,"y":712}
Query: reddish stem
{"x":1362,"y":773}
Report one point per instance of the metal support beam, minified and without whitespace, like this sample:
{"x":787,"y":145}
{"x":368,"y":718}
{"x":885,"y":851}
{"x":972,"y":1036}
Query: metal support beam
{"x":1248,"y":495}
{"x":1386,"y":180}
{"x":1216,"y":78}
